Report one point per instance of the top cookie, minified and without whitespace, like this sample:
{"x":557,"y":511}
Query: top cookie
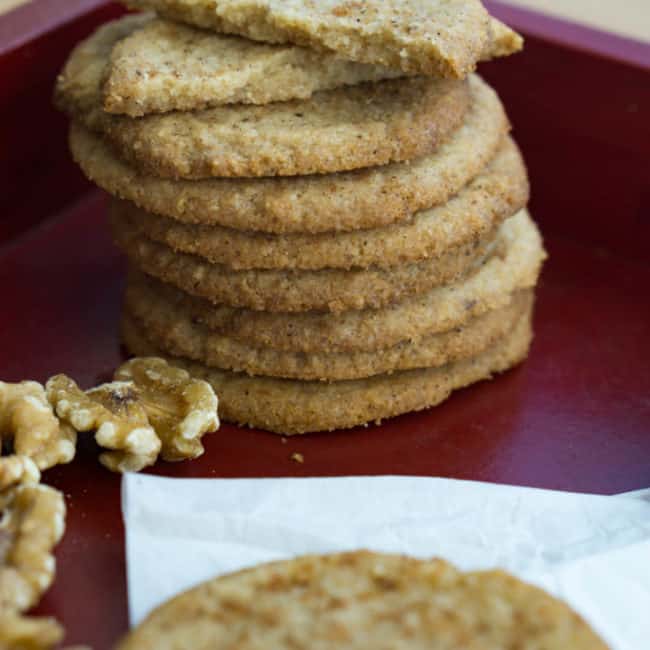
{"x":335,"y":130}
{"x":364,"y":600}
{"x":439,"y":37}
{"x":165,"y":66}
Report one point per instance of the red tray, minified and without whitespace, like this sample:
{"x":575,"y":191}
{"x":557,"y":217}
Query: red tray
{"x":576,"y":416}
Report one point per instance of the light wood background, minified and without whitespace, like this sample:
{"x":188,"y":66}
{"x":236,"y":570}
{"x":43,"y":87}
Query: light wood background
{"x":627,"y":17}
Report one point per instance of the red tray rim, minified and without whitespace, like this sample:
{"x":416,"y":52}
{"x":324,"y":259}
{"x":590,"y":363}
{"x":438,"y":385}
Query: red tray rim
{"x":28,"y":22}
{"x":573,"y":35}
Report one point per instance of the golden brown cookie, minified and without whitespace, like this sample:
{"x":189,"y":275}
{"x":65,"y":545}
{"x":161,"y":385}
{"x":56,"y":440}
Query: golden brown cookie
{"x":165,"y":66}
{"x":359,"y":600}
{"x":289,"y":406}
{"x":497,"y":193}
{"x":295,"y":291}
{"x":334,"y":130}
{"x":366,"y":198}
{"x":175,"y":333}
{"x":440,"y":37}
{"x":30,"y":429}
{"x":513,"y":266}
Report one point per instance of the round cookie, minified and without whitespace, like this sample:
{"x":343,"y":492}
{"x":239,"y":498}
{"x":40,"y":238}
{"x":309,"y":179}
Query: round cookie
{"x":514,"y":265}
{"x":331,"y":290}
{"x":334,"y":130}
{"x":165,"y":66}
{"x":365,"y":198}
{"x":496,"y":194}
{"x":289,"y":406}
{"x":439,"y":37}
{"x":359,"y":600}
{"x":176,"y":334}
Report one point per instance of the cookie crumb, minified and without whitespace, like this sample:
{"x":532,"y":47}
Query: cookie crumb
{"x":297,"y":458}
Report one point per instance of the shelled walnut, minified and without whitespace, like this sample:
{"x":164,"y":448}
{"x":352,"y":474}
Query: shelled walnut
{"x":31,"y":524}
{"x":39,"y":427}
{"x":19,"y":632}
{"x":33,"y":521}
{"x":17,"y":469}
{"x":180,"y":408}
{"x":29,"y":426}
{"x":115,"y":413}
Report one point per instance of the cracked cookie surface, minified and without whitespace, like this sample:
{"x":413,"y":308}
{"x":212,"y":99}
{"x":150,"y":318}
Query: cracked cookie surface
{"x":335,"y":130}
{"x":165,"y":66}
{"x":440,"y":37}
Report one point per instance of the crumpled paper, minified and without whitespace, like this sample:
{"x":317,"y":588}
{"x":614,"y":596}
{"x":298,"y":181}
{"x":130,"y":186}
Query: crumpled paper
{"x":593,"y":551}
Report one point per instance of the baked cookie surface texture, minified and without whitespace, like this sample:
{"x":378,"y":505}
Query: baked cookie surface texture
{"x":437,"y":37}
{"x":361,"y":600}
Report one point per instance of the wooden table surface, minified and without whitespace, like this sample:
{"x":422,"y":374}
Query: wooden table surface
{"x":626,"y":17}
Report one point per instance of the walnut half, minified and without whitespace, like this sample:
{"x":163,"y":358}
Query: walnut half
{"x":17,"y":469}
{"x":32,"y":524}
{"x":180,"y":408}
{"x":29,"y":425}
{"x":115,"y":413}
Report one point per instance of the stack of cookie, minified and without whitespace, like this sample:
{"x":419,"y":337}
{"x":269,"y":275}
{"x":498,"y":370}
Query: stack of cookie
{"x":324,"y":214}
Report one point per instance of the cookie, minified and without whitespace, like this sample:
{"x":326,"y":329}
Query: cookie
{"x":331,"y":290}
{"x":440,"y":37}
{"x":362,"y":599}
{"x":289,"y":406}
{"x":334,"y":130}
{"x":496,"y":194}
{"x":513,"y":266}
{"x":174,"y":332}
{"x":165,"y":66}
{"x":366,"y":198}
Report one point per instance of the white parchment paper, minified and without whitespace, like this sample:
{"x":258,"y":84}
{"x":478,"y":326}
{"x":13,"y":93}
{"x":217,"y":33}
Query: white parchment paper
{"x":593,"y":551}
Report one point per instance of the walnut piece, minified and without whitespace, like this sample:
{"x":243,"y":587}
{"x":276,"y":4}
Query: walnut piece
{"x":17,"y":469}
{"x":29,"y":424}
{"x":33,"y":522}
{"x":26,"y":633}
{"x":115,"y":413}
{"x":180,"y":408}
